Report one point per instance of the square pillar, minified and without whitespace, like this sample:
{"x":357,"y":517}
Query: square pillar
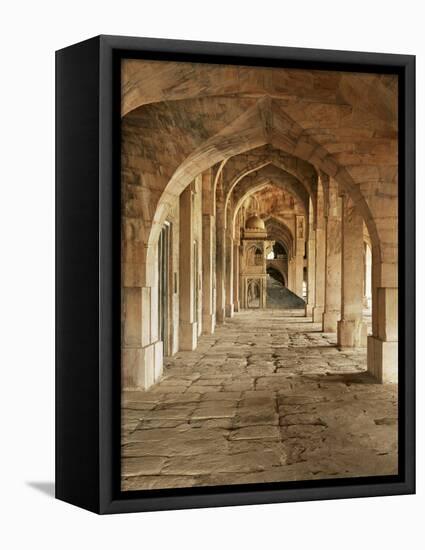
{"x":138,"y":367}
{"x":382,"y":348}
{"x":220,"y":263}
{"x":352,"y":331}
{"x":208,"y":262}
{"x":236,"y":259}
{"x":311,"y":267}
{"x":382,"y":360}
{"x":319,"y":283}
{"x":220,"y":268}
{"x":299,"y":255}
{"x":291,"y":274}
{"x":137,"y":355}
{"x":332,"y":311}
{"x":229,"y":275}
{"x":188,"y":330}
{"x":320,"y":251}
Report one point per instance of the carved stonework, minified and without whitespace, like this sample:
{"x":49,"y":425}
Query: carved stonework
{"x":253,"y":265}
{"x":253,"y":292}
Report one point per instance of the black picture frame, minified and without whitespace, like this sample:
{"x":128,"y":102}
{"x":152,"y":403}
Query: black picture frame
{"x":88,"y":273}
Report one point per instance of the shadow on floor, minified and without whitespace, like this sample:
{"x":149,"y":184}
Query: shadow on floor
{"x":297,"y":321}
{"x":350,"y":378}
{"x":46,"y":487}
{"x":324,"y":346}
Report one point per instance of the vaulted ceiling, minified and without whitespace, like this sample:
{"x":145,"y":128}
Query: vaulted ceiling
{"x":180,"y":119}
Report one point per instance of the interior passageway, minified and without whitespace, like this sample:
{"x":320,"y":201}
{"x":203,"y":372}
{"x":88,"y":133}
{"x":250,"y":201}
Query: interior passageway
{"x":267,"y":397}
{"x":259,"y":274}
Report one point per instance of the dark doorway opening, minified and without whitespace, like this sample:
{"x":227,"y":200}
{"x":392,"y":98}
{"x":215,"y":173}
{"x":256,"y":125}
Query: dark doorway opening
{"x":164,"y":286}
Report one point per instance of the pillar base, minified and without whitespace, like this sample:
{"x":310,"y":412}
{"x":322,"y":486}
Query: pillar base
{"x":352,"y":334}
{"x":220,"y":315}
{"x":208,"y":323}
{"x":229,"y":310}
{"x":330,"y":321}
{"x":188,"y":337}
{"x":138,"y":372}
{"x":382,"y":360}
{"x":236,"y":306}
{"x":158,"y":351}
{"x":308,"y":310}
{"x":317,"y":314}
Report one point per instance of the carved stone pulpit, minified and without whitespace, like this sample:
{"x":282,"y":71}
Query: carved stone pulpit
{"x":253,"y":268}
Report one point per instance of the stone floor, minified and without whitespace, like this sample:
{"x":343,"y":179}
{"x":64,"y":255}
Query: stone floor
{"x":268,"y":397}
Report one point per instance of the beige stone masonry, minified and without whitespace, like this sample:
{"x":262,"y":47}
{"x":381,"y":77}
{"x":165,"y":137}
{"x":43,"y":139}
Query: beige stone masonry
{"x":332,"y":309}
{"x":352,"y":331}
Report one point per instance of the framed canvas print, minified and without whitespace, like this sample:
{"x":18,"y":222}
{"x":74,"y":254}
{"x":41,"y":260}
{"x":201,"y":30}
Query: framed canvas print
{"x":235,"y":274}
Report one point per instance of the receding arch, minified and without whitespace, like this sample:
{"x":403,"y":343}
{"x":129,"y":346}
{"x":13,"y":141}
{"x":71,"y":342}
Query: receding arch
{"x":279,"y":231}
{"x":251,"y":130}
{"x":286,"y":163}
{"x":274,"y":175}
{"x":253,"y":188}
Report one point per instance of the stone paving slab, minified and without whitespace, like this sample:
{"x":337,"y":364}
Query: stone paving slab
{"x":252,"y":406}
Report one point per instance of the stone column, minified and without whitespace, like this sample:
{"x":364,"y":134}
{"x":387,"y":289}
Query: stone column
{"x":319,"y":283}
{"x":208,"y":261}
{"x":208,"y":254}
{"x":141,"y":352}
{"x":236,"y":260}
{"x":320,"y":253}
{"x":299,"y":255}
{"x":291,"y":269}
{"x":352,"y":331}
{"x":263,"y":298}
{"x":188,"y":334}
{"x":382,"y":348}
{"x":299,"y":268}
{"x":138,"y":353}
{"x":332,"y":311}
{"x":311,"y":266}
{"x":229,"y":274}
{"x":220,"y":262}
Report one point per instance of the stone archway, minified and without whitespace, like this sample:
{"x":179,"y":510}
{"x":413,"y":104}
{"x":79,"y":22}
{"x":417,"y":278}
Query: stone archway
{"x":237,"y":159}
{"x":263,"y":124}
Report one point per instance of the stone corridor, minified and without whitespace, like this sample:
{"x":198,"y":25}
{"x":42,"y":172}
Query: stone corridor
{"x":267,"y":397}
